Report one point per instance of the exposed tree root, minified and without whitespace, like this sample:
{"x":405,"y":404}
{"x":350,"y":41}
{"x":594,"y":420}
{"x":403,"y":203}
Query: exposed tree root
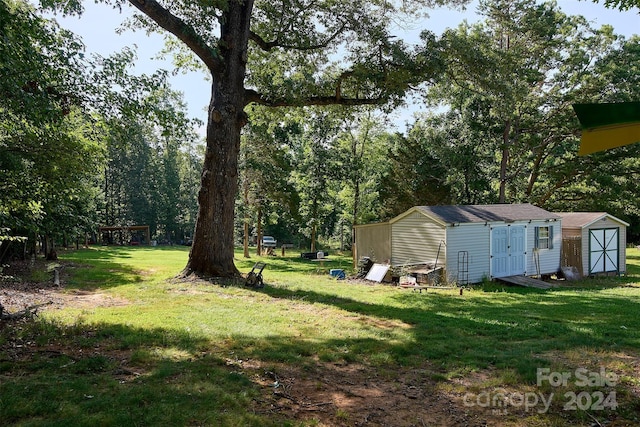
{"x":191,"y":276}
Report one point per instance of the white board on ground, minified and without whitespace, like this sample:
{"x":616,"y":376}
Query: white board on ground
{"x":377,"y":272}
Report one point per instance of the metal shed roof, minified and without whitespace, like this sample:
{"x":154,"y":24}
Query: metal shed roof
{"x":585,"y":219}
{"x":486,"y":213}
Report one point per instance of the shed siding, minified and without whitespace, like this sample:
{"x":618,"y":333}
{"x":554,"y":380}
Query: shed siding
{"x":549,"y":259}
{"x":415,"y":240}
{"x":373,"y":241}
{"x":585,"y":251}
{"x":473,"y":238}
{"x":623,"y":249}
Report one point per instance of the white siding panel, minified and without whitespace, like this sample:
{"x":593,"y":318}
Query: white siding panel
{"x":585,"y":251}
{"x":547,"y":259}
{"x":415,"y":240}
{"x":473,"y":238}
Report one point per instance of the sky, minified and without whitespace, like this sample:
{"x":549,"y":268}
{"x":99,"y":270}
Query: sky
{"x":97,"y":28}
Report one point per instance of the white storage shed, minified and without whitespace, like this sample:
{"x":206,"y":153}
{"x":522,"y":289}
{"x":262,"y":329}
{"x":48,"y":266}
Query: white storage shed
{"x":474,"y":242}
{"x":594,"y":243}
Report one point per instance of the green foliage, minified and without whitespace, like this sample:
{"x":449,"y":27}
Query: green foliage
{"x":363,"y":146}
{"x":302,"y":167}
{"x":286,"y":54}
{"x":316,"y":166}
{"x":621,"y":4}
{"x":47,"y":148}
{"x":151,"y":174}
{"x":266,"y":164}
{"x":60,"y":116}
{"x":509,"y":134}
{"x":414,"y":175}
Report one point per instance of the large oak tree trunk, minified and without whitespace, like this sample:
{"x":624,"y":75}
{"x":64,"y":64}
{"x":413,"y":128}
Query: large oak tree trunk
{"x":212,"y":250}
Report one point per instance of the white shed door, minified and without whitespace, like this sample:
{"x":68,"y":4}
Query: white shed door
{"x":603,"y":250}
{"x":508,"y":251}
{"x":517,"y":250}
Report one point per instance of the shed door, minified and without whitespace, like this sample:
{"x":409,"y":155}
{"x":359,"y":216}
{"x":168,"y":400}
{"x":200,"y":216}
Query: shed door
{"x":517,"y":250}
{"x":508,"y":251}
{"x":603,"y":250}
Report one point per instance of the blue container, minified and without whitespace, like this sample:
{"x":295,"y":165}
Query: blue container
{"x":337,"y":273}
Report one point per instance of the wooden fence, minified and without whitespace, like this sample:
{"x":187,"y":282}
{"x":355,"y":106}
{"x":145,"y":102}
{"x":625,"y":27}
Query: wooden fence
{"x":571,"y":255}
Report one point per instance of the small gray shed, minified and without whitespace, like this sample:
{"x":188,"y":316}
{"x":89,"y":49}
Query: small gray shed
{"x":472,"y":242}
{"x":594,"y":242}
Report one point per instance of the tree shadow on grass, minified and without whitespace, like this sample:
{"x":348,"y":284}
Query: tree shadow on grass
{"x":457,"y":332}
{"x":109,"y":274}
{"x":102,"y":267}
{"x":118,"y":375}
{"x":115,"y":374}
{"x":296,"y":264}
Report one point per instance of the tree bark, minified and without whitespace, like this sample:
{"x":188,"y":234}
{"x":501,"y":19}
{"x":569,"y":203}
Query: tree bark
{"x":355,"y":175}
{"x":50,"y":254}
{"x":212,"y":250}
{"x":259,"y":230}
{"x":245,"y":240}
{"x":502,"y":198}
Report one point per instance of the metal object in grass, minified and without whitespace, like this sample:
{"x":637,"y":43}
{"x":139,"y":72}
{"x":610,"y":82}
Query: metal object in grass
{"x":254,"y":278}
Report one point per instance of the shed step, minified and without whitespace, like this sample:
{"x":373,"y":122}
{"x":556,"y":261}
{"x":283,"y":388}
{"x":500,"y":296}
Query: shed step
{"x":528,"y":282}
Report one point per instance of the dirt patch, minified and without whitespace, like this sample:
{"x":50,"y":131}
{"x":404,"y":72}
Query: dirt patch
{"x":357,"y":395}
{"x":80,"y":299}
{"x":19,"y":290}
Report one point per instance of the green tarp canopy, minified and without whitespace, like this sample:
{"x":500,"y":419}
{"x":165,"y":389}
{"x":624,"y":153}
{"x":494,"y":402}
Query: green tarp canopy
{"x":608,"y":125}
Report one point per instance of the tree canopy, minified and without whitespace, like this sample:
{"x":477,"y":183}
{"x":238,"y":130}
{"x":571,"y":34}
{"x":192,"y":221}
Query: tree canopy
{"x":500,"y":127}
{"x":60,"y":124}
{"x":277,"y":54}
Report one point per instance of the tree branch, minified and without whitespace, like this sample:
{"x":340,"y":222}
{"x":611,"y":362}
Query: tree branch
{"x":251,"y":96}
{"x":268,"y":46}
{"x":176,"y":26}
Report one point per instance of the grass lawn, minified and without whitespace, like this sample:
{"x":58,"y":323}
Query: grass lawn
{"x":133,"y":346}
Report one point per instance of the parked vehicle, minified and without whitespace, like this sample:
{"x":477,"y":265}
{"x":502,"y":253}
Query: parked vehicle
{"x":268,"y":242}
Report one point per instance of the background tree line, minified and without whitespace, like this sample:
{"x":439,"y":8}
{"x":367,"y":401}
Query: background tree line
{"x":84,"y":143}
{"x":501,"y":130}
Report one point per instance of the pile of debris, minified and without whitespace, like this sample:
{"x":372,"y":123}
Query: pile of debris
{"x":415,"y":274}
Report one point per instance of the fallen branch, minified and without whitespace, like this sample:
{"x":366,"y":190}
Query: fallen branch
{"x":594,"y":419}
{"x":30,"y":312}
{"x":285,"y":395}
{"x":309,"y":405}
